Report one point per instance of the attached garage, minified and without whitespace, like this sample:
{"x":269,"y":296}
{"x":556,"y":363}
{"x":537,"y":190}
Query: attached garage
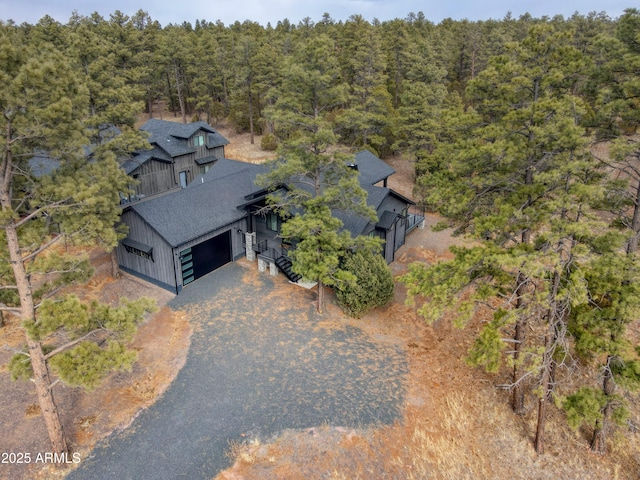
{"x":188,"y":233}
{"x":205,"y":257}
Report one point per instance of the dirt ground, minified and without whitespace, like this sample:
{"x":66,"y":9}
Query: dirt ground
{"x":456,"y":423}
{"x":162,"y":343}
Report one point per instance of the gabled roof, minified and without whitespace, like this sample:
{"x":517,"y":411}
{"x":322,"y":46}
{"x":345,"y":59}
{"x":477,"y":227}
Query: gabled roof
{"x":371,"y":169}
{"x":164,"y":128}
{"x":140,"y":158}
{"x":172,"y":138}
{"x":386,"y":219}
{"x":214,"y":139}
{"x":208,"y":203}
{"x":211,"y":201}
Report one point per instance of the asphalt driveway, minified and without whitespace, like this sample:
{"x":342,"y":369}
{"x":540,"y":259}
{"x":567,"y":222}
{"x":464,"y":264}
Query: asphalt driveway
{"x":261,"y":361}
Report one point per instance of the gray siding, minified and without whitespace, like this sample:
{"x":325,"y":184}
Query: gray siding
{"x":154,"y":177}
{"x":217,"y":152}
{"x":157,"y":177}
{"x":185,"y":163}
{"x":395,"y":237}
{"x":161,"y":268}
{"x":263,"y":233}
{"x":392,"y":204}
{"x":389,"y":250}
{"x":202,"y":150}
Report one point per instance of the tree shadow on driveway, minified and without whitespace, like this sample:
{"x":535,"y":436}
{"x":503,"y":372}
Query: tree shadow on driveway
{"x":261,"y":361}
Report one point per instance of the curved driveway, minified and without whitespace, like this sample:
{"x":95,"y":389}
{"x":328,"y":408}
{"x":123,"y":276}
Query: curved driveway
{"x":261,"y":361}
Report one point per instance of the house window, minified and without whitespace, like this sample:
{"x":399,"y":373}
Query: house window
{"x":272,"y":222}
{"x":183,"y":179}
{"x":403,"y":216}
{"x":137,"y":248}
{"x":205,"y":168}
{"x":198,"y":141}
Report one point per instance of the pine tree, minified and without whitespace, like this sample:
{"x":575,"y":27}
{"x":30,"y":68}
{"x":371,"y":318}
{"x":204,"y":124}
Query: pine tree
{"x":316,"y":173}
{"x":367,"y":115}
{"x":320,"y":246}
{"x":247,"y":101}
{"x":43,"y":108}
{"x":177,"y":49}
{"x":421,"y":114}
{"x":373,"y":285}
{"x":599,"y":327}
{"x":522,"y":183}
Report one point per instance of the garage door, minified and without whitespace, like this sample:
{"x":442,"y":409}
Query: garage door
{"x":205,"y":257}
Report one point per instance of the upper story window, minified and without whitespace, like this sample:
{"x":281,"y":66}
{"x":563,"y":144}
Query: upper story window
{"x":272,"y":222}
{"x":198,"y":140}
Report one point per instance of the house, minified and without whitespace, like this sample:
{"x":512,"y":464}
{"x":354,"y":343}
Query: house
{"x":371,"y":170}
{"x":217,"y":217}
{"x":179,"y":153}
{"x":178,"y":237}
{"x":392,"y":209}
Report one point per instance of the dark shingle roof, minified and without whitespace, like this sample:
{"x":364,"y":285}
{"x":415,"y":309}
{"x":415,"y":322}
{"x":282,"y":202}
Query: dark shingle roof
{"x":208,"y":203}
{"x":172,"y":137}
{"x":386,"y":219}
{"x":359,"y":225}
{"x":216,"y":140}
{"x":226,"y":166}
{"x":164,"y":128}
{"x":211,"y":201}
{"x":371,"y":169}
{"x":206,"y":160}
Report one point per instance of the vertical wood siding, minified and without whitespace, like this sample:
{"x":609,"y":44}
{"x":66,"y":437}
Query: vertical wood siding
{"x":263,"y":233}
{"x":158,"y":177}
{"x":185,"y":163}
{"x":154,"y":177}
{"x":396,"y":235}
{"x":161,"y":268}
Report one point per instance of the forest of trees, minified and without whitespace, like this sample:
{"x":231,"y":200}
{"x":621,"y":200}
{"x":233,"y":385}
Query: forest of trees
{"x":392,"y":81}
{"x":501,"y":117}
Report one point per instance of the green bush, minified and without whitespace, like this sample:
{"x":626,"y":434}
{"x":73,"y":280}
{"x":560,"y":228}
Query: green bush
{"x":373,"y":287}
{"x":269,"y":142}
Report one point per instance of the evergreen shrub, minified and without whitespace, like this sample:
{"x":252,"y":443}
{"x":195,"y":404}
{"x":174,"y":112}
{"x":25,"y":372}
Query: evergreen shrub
{"x":373,"y":286}
{"x":269,"y":142}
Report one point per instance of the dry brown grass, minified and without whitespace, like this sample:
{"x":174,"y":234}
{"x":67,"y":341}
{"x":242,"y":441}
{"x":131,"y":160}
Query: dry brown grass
{"x":470,"y":435}
{"x":162,"y":343}
{"x":456,"y":423}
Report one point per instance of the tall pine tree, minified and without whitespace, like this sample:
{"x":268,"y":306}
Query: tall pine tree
{"x":43,"y":108}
